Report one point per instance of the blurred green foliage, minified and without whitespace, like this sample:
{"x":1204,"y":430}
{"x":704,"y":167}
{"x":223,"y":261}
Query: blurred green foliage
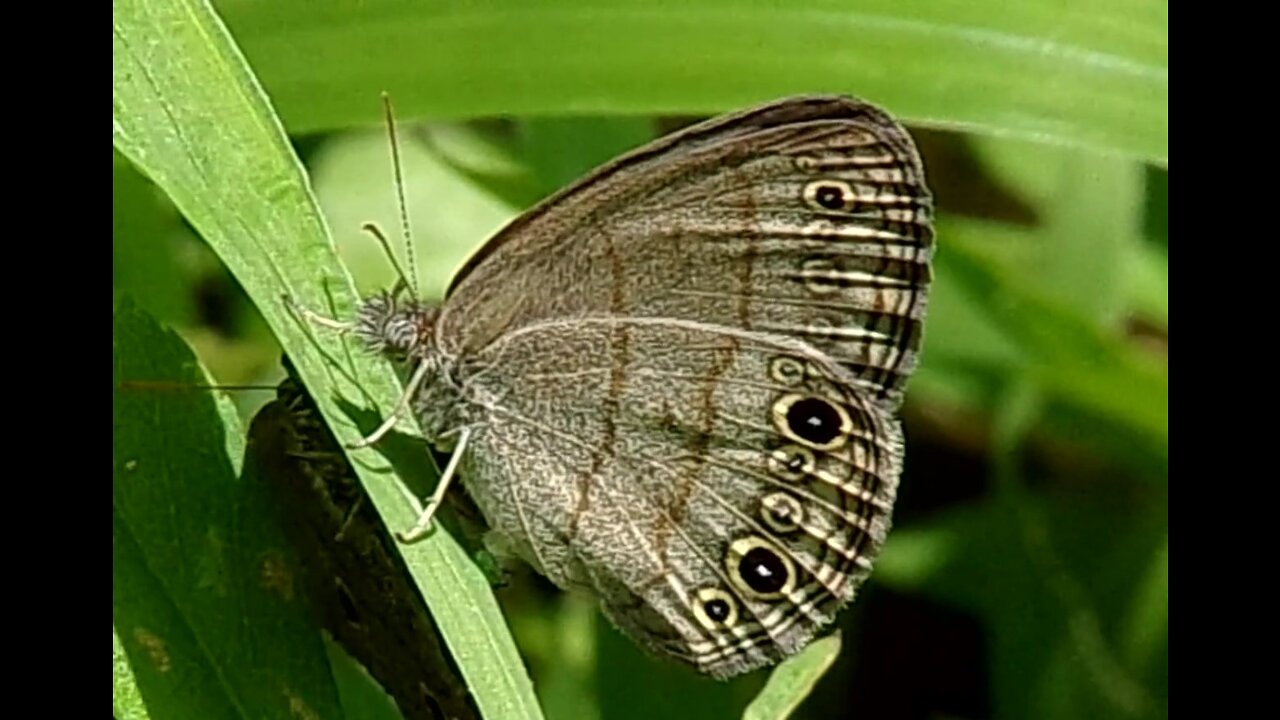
{"x":1027,"y":574}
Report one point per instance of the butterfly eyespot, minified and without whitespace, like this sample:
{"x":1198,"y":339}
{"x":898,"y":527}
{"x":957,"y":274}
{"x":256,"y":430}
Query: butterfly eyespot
{"x":758,"y":569}
{"x":792,"y":462}
{"x":715,"y":608}
{"x":782,"y":512}
{"x":787,"y":371}
{"x":813,"y":421}
{"x":829,"y":194}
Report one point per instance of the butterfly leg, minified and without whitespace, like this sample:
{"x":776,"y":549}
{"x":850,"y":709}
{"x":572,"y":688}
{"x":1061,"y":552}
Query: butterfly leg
{"x":422,"y":528}
{"x":316,"y":318}
{"x":402,"y":406}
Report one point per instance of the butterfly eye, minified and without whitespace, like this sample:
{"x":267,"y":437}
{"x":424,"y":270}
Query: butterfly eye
{"x":715,"y":608}
{"x":782,"y":512}
{"x":814,"y":421}
{"x":829,"y":194}
{"x":792,"y":462}
{"x":757,"y":568}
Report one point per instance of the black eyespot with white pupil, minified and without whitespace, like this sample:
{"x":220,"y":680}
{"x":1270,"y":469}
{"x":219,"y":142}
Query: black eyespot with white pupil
{"x":762,"y":570}
{"x":717,"y":609}
{"x":830,"y":197}
{"x":814,"y":419}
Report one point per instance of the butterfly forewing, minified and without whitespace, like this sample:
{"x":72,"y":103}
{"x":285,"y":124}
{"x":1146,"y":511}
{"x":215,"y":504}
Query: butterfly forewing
{"x":807,"y":218}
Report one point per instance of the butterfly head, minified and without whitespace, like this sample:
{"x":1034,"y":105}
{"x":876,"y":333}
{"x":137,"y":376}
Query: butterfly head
{"x":397,"y":327}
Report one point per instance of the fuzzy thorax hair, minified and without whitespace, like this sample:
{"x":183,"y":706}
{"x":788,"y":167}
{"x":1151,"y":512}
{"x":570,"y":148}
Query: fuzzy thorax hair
{"x":395,"y":327}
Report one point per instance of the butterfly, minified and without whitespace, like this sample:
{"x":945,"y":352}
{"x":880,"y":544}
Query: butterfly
{"x":675,"y":384}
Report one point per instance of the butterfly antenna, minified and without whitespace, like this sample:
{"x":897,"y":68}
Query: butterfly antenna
{"x":376,"y":232}
{"x":398,"y":169}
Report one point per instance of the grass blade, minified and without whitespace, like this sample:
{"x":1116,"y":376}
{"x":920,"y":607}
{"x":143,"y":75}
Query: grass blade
{"x":1092,"y":74}
{"x":791,"y":682}
{"x":187,"y":111}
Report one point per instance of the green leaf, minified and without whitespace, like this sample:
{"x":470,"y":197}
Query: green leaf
{"x":187,"y":111}
{"x":202,"y":597}
{"x":990,"y":315}
{"x":362,"y":697}
{"x":637,"y":685}
{"x":1095,"y":74}
{"x":563,"y":644}
{"x":169,"y":669}
{"x":143,"y":259}
{"x":1079,"y":364}
{"x":1048,"y":576}
{"x":1146,"y":627}
{"x":126,"y":698}
{"x":790,"y":683}
{"x":1089,"y":216}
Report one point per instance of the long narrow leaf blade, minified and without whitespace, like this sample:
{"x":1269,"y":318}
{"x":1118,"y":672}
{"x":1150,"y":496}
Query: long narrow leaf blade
{"x":188,"y":112}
